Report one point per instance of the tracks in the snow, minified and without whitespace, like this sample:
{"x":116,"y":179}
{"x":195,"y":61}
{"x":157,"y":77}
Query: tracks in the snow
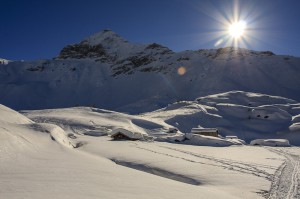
{"x":238,"y":166}
{"x":286,"y":181}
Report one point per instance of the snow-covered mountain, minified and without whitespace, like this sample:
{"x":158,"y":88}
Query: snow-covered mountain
{"x":106,"y":71}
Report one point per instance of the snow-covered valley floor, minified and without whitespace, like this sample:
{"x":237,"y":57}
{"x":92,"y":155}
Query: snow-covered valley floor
{"x":34,"y":166}
{"x":38,"y":160}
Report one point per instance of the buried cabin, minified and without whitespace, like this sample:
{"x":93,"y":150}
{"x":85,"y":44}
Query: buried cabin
{"x":123,"y":134}
{"x":206,"y":131}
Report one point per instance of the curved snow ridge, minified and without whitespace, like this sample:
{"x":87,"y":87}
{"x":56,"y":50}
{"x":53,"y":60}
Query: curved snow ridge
{"x":12,"y":116}
{"x":245,"y":98}
{"x":58,"y":134}
{"x":158,"y":171}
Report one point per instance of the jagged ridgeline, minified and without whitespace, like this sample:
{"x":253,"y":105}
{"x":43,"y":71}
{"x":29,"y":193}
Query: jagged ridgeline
{"x":104,"y":70}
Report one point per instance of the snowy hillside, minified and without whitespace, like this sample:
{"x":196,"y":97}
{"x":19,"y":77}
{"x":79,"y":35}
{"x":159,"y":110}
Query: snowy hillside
{"x":99,"y":122}
{"x":106,"y":71}
{"x":246,"y":115}
{"x":65,"y":155}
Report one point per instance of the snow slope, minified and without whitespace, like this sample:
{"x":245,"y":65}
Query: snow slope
{"x":106,"y":71}
{"x":98,"y":122}
{"x":33,"y":165}
{"x":246,"y":115}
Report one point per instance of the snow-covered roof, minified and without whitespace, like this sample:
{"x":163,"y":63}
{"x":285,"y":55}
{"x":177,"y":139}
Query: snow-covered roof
{"x":270,"y":142}
{"x":209,"y":140}
{"x":231,"y":137}
{"x":128,"y":133}
{"x":200,"y":130}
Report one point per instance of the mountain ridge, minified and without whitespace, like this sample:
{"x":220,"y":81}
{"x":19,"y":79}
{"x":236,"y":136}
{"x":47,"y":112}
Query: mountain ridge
{"x":106,"y":71}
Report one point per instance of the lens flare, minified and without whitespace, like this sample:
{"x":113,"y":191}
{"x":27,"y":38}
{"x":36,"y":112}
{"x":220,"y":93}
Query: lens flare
{"x":181,"y":70}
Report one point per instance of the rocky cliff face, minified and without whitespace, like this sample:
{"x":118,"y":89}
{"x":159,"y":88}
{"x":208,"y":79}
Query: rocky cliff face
{"x":81,"y":51}
{"x":125,"y":58}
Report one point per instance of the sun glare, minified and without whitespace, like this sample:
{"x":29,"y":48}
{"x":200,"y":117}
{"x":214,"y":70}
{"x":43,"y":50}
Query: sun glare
{"x":237,"y":29}
{"x":235,"y":25}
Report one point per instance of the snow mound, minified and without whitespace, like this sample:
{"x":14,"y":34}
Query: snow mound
{"x":96,"y":133}
{"x":58,"y":134}
{"x":271,"y":142}
{"x":10,"y":116}
{"x":202,"y":140}
{"x":244,"y":98}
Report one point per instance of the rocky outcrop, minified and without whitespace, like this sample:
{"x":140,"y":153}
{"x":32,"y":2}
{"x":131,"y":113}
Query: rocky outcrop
{"x":82,"y":51}
{"x":127,"y":66}
{"x":125,"y":58}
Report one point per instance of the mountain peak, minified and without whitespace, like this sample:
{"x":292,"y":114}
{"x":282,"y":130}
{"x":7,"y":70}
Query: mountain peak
{"x":104,"y":37}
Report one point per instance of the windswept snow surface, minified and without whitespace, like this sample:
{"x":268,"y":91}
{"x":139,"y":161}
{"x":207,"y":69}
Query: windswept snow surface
{"x":42,"y":160}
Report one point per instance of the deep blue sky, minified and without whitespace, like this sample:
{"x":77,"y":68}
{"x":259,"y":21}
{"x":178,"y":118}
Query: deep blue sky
{"x":36,"y":29}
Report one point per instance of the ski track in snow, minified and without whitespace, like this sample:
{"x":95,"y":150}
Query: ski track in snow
{"x":238,"y":166}
{"x":286,"y":181}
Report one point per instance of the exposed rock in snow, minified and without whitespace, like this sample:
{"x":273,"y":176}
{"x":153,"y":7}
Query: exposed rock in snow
{"x":81,"y":51}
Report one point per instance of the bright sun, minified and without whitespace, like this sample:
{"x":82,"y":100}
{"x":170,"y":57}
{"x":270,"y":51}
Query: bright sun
{"x":237,"y":29}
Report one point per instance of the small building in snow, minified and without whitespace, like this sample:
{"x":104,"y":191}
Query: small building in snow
{"x":123,"y":134}
{"x":206,"y":131}
{"x":231,"y":137}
